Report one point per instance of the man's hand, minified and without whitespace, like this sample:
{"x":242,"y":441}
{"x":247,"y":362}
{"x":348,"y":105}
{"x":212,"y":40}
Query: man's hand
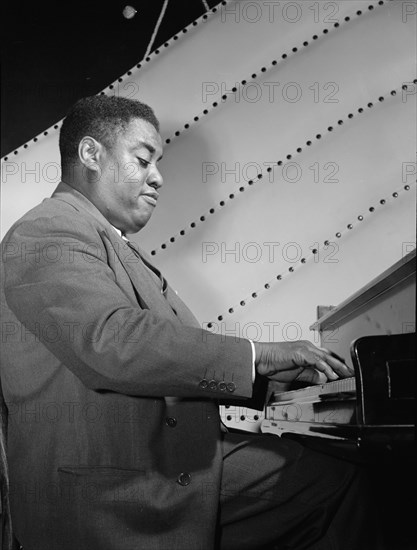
{"x":299,"y":361}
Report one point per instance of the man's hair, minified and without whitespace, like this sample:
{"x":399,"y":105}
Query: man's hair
{"x":101,"y":117}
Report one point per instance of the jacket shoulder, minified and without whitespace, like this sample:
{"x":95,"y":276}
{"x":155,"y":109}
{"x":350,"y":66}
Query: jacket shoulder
{"x":52,"y":218}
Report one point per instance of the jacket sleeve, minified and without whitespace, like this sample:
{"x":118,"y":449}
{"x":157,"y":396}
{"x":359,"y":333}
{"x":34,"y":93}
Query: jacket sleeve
{"x":60,"y":286}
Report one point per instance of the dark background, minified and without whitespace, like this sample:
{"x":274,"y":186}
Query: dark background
{"x":56,"y":52}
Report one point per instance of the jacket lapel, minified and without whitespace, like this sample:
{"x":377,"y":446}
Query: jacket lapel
{"x":148,"y":292}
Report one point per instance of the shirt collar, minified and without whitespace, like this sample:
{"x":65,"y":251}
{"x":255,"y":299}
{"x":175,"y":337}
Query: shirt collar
{"x":120,"y":233}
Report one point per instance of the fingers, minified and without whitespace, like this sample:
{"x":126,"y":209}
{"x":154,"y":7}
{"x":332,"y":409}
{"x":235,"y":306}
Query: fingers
{"x":322,"y":365}
{"x":336,"y":363}
{"x":312,"y":376}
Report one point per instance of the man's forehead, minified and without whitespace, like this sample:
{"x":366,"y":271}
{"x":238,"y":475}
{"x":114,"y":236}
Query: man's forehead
{"x":140,"y":132}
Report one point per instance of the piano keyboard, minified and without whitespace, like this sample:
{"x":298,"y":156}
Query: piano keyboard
{"x":318,"y":392}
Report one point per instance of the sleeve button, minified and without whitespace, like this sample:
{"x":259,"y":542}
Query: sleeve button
{"x":203,"y":384}
{"x":212,"y":385}
{"x":222,"y":386}
{"x":231,"y":387}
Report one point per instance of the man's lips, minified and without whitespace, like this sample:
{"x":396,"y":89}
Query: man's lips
{"x":151,"y":198}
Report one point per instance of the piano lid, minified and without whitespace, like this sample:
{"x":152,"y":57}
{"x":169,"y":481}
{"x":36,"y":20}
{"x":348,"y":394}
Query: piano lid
{"x":395,"y":276}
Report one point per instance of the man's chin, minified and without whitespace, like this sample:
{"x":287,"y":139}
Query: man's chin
{"x":137,"y":226}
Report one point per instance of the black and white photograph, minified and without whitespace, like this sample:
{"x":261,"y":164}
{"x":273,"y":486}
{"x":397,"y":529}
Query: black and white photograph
{"x":208,"y":272}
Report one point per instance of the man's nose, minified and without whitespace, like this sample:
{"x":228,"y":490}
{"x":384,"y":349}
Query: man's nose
{"x":155,"y":178}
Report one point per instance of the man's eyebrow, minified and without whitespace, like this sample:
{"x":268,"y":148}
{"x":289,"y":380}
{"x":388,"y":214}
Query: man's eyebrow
{"x":147,"y":146}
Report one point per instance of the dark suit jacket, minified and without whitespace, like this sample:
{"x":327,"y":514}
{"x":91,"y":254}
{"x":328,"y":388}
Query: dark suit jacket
{"x":98,"y":457}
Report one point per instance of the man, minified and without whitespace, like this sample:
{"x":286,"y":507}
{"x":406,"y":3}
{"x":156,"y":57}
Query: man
{"x":114,"y":435}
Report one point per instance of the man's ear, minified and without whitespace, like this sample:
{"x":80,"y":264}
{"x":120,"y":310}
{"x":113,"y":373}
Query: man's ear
{"x":89,"y":152}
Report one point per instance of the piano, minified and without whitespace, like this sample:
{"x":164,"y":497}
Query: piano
{"x":374,"y":331}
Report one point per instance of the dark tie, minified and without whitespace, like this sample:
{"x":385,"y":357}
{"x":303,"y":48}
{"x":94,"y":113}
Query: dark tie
{"x":162,"y":281}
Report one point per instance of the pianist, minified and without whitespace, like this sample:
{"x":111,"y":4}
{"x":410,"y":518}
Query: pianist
{"x":114,"y":438}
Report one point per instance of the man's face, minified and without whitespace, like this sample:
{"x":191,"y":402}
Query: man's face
{"x":127,"y":190}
